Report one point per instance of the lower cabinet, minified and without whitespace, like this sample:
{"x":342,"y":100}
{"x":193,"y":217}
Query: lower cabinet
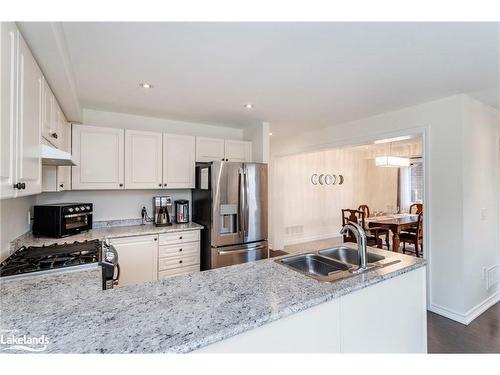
{"x":138,"y":259}
{"x":153,"y":257}
{"x":178,"y":253}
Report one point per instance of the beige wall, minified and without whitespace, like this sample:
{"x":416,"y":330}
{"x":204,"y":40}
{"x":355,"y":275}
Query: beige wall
{"x":313,"y":212}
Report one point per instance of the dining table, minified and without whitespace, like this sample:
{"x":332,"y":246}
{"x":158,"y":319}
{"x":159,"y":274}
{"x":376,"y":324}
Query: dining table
{"x":395,"y":223}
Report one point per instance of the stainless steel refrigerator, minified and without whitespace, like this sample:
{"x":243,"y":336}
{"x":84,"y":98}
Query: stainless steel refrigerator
{"x":230,"y":201}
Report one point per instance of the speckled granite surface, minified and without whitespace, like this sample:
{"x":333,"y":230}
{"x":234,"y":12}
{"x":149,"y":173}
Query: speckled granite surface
{"x":103,"y":232}
{"x":178,"y":314}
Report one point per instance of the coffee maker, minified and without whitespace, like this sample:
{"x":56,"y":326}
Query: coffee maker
{"x":162,"y":206}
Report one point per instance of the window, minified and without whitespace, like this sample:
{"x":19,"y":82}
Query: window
{"x":416,"y":182}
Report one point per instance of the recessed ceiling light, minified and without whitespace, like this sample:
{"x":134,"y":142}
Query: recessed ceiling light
{"x":146,"y":85}
{"x":248,"y":106}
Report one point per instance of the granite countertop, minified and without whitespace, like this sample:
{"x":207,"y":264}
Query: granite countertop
{"x":178,"y":314}
{"x":101,"y":233}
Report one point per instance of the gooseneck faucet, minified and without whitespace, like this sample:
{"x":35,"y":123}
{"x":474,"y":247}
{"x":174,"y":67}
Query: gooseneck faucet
{"x":360,"y":235}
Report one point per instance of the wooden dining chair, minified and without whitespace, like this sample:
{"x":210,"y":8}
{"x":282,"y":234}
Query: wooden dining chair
{"x":373,"y":235}
{"x":415,"y":238}
{"x":381,"y":231}
{"x":416,"y":208}
{"x":365,"y":209}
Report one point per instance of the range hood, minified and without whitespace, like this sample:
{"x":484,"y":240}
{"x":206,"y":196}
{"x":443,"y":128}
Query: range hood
{"x":53,"y":156}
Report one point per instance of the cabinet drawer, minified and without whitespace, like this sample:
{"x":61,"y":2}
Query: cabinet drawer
{"x":191,"y":248}
{"x":176,"y":262}
{"x":179,"y":237}
{"x":178,"y":271}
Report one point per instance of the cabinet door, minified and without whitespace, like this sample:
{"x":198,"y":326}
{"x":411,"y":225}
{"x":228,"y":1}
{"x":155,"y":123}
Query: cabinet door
{"x":49,"y":114}
{"x":64,"y":172}
{"x":8,"y":79}
{"x":99,"y":157}
{"x":178,"y":161}
{"x":143,"y":160}
{"x":30,"y":81}
{"x":138,"y":259}
{"x":238,"y":151}
{"x":209,"y":149}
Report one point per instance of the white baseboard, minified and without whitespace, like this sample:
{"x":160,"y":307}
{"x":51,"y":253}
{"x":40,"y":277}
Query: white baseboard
{"x":470,"y":315}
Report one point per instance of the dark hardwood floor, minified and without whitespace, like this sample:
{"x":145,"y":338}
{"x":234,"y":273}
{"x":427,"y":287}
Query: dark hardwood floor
{"x":480,"y":336}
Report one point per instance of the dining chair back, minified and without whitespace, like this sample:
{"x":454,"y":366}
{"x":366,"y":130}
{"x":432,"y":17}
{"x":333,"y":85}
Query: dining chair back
{"x":416,"y":208}
{"x":365,"y":209}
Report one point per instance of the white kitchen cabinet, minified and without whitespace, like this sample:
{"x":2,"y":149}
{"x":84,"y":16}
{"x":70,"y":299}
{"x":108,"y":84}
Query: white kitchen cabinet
{"x":143,"y":160}
{"x":209,"y":149}
{"x":8,"y":100}
{"x":29,"y":101}
{"x":178,"y":253}
{"x":99,"y":155}
{"x":138,"y":259}
{"x":58,"y":178}
{"x":50,"y":110}
{"x":238,"y":151}
{"x":215,"y":149}
{"x":178,"y":161}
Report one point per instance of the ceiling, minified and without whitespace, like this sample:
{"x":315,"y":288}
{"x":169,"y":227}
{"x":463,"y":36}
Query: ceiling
{"x":298,"y":76}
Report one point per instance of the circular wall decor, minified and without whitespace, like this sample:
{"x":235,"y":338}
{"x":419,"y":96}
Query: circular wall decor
{"x":321,"y":179}
{"x":327,"y":179}
{"x":314,"y":179}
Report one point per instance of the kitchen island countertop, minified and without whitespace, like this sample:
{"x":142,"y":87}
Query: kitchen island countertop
{"x":178,"y":315}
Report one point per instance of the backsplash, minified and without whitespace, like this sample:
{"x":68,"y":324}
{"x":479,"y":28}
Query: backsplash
{"x":111,"y":205}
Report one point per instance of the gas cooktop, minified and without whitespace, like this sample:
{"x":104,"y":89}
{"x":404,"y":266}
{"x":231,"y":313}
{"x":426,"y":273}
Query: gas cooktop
{"x":35,"y":259}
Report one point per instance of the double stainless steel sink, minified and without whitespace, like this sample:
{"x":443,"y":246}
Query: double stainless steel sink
{"x":334,"y":263}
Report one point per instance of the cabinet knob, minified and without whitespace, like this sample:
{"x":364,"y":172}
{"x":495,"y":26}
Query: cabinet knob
{"x":159,"y":185}
{"x":222,"y":159}
{"x":121,"y":185}
{"x":18,"y":186}
{"x":54,"y":135}
{"x":156,"y":239}
{"x":227,"y":159}
{"x":180,"y":249}
{"x":62,"y":185}
{"x":180,"y":237}
{"x":180,"y":261}
{"x":165,"y":185}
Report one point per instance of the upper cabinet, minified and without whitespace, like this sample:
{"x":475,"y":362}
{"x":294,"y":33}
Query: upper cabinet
{"x":143,"y":160}
{"x":178,"y":161}
{"x":209,"y":149}
{"x":8,"y":82}
{"x":215,"y":149}
{"x":238,"y":151}
{"x":29,"y":112}
{"x":99,"y":156}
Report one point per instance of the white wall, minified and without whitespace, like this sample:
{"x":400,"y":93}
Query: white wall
{"x":481,"y":193}
{"x":259,"y":136}
{"x":129,"y":121}
{"x":113,"y":204}
{"x":442,"y":122}
{"x":13,"y":221}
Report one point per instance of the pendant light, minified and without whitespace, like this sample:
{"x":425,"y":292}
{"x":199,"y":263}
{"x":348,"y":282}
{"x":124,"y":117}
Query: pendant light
{"x":390,"y":161}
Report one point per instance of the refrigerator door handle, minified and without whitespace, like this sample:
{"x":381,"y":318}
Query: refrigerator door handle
{"x":245,"y":206}
{"x":225,"y":252}
{"x":242,"y":202}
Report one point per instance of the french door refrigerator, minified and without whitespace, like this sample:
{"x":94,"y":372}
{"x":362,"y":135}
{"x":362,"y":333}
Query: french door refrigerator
{"x":230,"y":201}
